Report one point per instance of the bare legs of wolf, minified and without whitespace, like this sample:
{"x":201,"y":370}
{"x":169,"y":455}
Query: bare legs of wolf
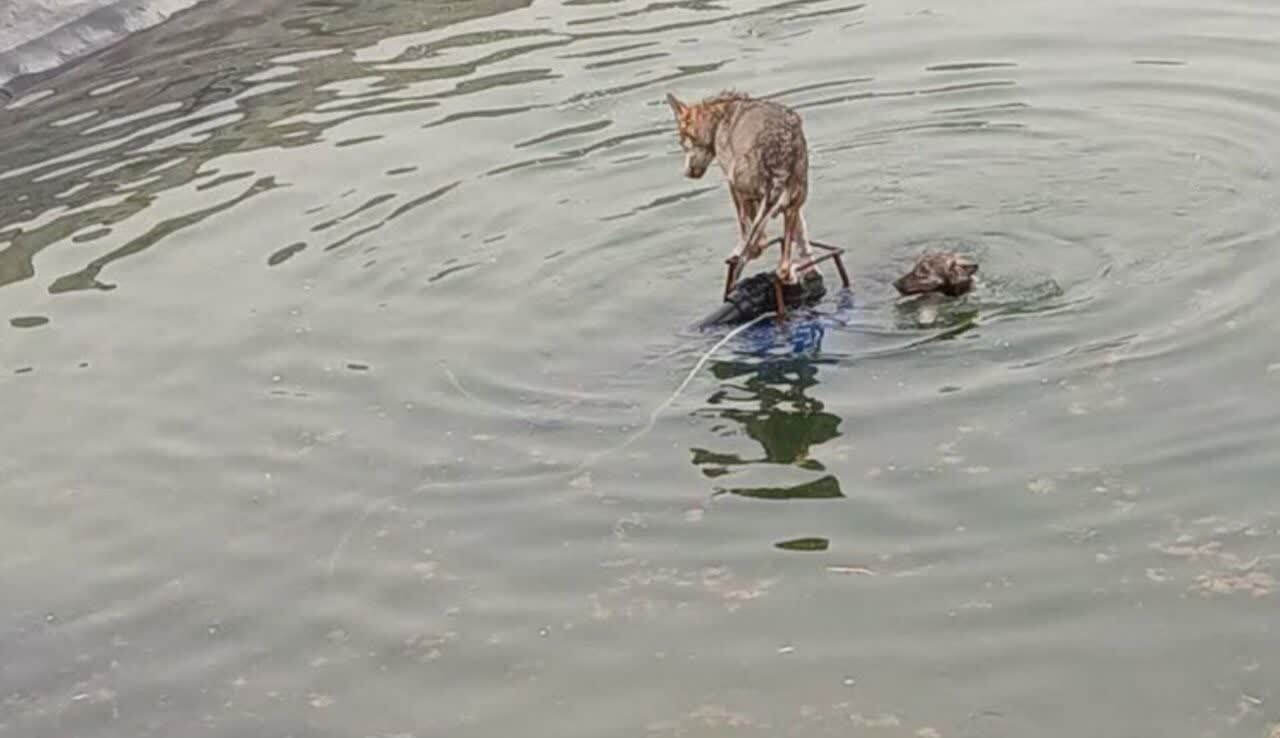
{"x":753,"y":216}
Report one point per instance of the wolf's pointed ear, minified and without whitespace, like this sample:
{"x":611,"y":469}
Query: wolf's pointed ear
{"x":677,"y":107}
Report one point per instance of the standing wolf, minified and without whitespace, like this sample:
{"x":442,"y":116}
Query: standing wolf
{"x":761,"y":148}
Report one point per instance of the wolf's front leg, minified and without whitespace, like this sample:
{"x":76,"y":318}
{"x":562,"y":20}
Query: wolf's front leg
{"x":738,"y":257}
{"x":746,"y":207}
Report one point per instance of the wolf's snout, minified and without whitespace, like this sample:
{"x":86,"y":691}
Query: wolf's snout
{"x":694,"y":166}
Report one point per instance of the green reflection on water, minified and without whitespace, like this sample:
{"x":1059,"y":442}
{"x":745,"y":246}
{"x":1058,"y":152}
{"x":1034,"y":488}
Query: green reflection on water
{"x":769,"y":402}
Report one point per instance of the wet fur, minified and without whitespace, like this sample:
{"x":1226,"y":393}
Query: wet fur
{"x":761,"y":148}
{"x":943,"y":272}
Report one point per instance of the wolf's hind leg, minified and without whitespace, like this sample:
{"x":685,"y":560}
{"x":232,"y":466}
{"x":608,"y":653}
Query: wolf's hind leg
{"x":804,"y":249}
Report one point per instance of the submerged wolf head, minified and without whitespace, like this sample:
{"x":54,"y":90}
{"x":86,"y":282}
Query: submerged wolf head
{"x":938,"y":271}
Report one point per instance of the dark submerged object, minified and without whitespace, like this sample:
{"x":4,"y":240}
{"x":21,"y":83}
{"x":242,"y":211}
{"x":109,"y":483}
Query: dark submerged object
{"x":938,"y":271}
{"x":764,"y":293}
{"x":757,"y":295}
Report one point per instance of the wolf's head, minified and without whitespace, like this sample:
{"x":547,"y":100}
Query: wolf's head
{"x":945,"y":272}
{"x":697,"y":127}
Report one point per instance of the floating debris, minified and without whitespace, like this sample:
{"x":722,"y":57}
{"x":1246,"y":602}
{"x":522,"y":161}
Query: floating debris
{"x":847,"y":569}
{"x":1041,"y":486}
{"x":883,"y":720}
{"x":1255,"y":583}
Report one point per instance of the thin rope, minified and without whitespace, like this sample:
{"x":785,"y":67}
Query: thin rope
{"x":657,"y":411}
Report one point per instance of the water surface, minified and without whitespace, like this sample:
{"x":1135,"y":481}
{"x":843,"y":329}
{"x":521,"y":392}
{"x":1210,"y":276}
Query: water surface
{"x":332,"y":332}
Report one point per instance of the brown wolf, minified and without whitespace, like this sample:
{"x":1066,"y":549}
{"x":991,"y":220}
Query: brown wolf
{"x":938,"y":271}
{"x":761,"y":148}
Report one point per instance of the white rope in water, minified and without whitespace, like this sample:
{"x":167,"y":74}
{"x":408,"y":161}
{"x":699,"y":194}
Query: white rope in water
{"x":336,"y":554}
{"x":501,"y":409}
{"x":657,"y":411}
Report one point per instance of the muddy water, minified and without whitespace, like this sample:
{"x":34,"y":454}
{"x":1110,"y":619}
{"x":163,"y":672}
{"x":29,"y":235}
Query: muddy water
{"x":333,"y":333}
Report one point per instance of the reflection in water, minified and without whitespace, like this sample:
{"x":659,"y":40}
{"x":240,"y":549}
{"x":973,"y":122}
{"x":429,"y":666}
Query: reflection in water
{"x":951,"y":316}
{"x":768,"y":398}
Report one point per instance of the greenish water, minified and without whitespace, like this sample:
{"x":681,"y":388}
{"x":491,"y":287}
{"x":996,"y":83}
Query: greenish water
{"x":330,"y":329}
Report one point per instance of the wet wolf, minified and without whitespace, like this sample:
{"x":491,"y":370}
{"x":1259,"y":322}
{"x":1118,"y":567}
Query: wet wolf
{"x":938,"y":271}
{"x":761,"y":148}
